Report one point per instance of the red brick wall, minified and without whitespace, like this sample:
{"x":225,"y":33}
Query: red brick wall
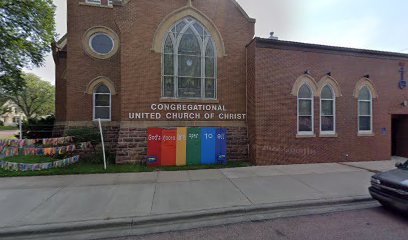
{"x":136,"y":69}
{"x":60,"y":88}
{"x":276,"y":109}
{"x":141,"y":68}
{"x":256,"y":80}
{"x":251,"y":100}
{"x":81,"y":68}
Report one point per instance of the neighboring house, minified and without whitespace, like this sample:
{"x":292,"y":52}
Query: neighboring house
{"x":11,"y":117}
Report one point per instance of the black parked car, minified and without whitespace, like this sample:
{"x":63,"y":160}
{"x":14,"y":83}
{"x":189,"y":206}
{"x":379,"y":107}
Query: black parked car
{"x":391,"y":188}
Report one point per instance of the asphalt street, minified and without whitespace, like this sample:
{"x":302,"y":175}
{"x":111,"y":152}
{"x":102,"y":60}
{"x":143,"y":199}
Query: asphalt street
{"x":374,"y":223}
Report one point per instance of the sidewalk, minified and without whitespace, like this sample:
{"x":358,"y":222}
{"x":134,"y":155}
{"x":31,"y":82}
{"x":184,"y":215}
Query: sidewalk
{"x":37,"y":202}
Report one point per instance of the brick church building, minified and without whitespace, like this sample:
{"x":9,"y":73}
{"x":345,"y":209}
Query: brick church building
{"x":140,"y":64}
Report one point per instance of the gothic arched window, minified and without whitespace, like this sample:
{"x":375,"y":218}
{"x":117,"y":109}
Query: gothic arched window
{"x":189,"y":62}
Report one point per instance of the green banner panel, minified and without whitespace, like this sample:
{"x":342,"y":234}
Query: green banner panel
{"x":193,"y":146}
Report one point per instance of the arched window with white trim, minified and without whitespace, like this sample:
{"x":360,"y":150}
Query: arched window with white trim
{"x":327,"y":110}
{"x":102,"y":102}
{"x":305,"y":110}
{"x":365,"y":110}
{"x":189,"y":62}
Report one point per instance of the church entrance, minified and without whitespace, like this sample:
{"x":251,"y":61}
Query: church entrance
{"x":399,"y":138}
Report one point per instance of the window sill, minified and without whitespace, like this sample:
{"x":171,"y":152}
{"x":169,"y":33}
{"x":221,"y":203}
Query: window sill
{"x":360,"y":134}
{"x":305,"y":135}
{"x":95,"y":5}
{"x":102,"y":120}
{"x":331,"y":135}
{"x":173,"y":100}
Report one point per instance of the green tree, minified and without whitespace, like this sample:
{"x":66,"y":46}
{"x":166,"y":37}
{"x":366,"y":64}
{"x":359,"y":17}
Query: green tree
{"x":27,"y":30}
{"x":4,"y":110}
{"x":36,"y":98}
{"x":3,"y":100}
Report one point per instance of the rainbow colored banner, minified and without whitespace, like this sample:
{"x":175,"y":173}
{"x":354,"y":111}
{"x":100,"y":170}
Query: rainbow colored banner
{"x":186,"y":146}
{"x":24,"y":167}
{"x":31,"y":142}
{"x":181,"y":147}
{"x":41,"y":151}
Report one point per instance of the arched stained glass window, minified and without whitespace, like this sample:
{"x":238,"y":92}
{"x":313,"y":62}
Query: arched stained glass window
{"x":189,"y":62}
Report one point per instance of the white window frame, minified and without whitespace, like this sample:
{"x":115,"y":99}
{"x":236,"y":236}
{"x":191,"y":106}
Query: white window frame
{"x":203,"y":47}
{"x":96,"y":2}
{"x":305,"y":133}
{"x":334,"y":111}
{"x":94,"y":105}
{"x":371,"y":112}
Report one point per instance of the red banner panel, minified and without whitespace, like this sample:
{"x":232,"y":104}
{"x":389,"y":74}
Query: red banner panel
{"x":154,"y":141}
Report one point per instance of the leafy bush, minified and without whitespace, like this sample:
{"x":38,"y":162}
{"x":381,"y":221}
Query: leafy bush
{"x":1,"y":123}
{"x":38,"y":128}
{"x":90,"y":134}
{"x":84,"y":135}
{"x":96,"y":157}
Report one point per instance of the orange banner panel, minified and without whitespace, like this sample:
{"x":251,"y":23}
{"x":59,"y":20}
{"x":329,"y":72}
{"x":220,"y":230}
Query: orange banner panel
{"x":168,"y":148}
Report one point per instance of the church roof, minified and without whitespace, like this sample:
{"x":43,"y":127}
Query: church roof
{"x":289,"y":45}
{"x":243,"y":12}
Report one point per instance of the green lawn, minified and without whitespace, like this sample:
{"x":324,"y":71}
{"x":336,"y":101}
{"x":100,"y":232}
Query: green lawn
{"x":5,"y":128}
{"x":8,"y":138}
{"x":86,"y":168}
{"x":29,"y":159}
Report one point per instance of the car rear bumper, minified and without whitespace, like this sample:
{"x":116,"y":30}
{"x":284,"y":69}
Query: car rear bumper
{"x":391,"y":200}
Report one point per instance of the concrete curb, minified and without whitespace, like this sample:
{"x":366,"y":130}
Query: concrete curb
{"x":158,"y":220}
{"x":358,"y":167}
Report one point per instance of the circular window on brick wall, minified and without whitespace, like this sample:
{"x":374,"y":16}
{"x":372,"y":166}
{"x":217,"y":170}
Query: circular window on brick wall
{"x":100,"y":42}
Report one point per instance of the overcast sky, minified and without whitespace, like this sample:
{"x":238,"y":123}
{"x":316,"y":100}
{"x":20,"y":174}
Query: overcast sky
{"x":368,"y":24}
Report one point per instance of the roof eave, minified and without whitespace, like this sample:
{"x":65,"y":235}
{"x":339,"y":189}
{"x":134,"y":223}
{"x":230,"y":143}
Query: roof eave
{"x":299,"y":45}
{"x":251,"y":20}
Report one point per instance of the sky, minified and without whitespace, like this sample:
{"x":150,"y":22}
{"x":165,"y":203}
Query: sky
{"x":367,"y":24}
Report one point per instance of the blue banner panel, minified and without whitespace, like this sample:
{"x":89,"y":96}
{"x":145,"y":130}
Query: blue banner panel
{"x":208,"y":140}
{"x":221,"y":146}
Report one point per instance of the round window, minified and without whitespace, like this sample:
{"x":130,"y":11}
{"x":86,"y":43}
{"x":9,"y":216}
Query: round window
{"x":101,"y":43}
